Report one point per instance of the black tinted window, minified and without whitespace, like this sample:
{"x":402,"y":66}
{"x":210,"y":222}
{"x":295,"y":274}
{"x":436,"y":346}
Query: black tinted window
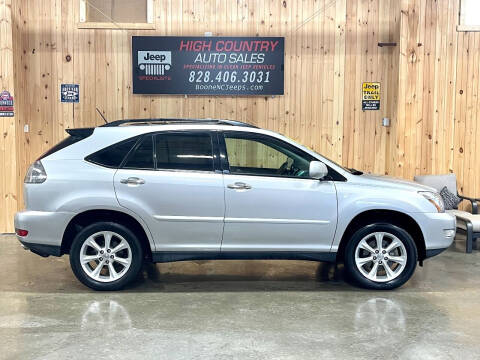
{"x":113,"y":155}
{"x":61,"y":145}
{"x":184,"y":152}
{"x":142,"y":156}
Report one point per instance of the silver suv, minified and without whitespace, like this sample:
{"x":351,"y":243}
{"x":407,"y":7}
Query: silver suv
{"x":172,"y":190}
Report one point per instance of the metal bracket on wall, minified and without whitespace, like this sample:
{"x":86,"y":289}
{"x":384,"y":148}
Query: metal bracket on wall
{"x":382,"y":44}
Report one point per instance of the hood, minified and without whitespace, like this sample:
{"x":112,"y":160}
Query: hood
{"x":388,"y":181}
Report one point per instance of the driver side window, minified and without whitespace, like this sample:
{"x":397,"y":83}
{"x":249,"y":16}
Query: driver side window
{"x":253,"y":154}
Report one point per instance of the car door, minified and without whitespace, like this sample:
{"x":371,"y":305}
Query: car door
{"x":271,"y":204}
{"x":169,"y":179}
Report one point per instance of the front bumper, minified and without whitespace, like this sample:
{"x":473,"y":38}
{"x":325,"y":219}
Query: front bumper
{"x":438,"y":231}
{"x":433,"y":252}
{"x":45,"y":230}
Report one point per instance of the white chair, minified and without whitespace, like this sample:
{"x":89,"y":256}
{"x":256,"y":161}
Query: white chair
{"x":467,"y":222}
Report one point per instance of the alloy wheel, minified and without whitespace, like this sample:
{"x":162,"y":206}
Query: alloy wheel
{"x":105,"y":256}
{"x":380,"y":256}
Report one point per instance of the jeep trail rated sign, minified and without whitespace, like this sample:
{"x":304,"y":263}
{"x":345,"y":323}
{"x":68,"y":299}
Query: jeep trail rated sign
{"x":208,"y":65}
{"x":371,"y":96}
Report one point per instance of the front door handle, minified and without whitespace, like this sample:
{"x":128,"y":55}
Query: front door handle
{"x":239,"y":186}
{"x":133,"y":181}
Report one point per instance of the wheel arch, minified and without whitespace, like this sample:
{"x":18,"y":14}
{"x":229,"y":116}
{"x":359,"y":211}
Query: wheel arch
{"x":393,"y":217}
{"x":85,"y":218}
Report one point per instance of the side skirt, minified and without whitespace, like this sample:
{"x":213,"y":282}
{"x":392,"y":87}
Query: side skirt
{"x":171,"y":256}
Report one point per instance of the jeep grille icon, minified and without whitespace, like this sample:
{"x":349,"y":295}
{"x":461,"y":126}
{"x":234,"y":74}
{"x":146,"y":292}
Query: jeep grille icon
{"x":154,"y":62}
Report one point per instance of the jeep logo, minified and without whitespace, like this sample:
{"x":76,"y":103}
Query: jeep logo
{"x":154,"y":62}
{"x":149,"y":56}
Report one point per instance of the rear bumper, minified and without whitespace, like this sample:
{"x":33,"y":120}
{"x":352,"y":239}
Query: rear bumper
{"x":42,"y":250}
{"x":45,"y":230}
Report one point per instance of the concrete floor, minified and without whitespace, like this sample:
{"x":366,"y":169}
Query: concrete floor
{"x":238,"y":310}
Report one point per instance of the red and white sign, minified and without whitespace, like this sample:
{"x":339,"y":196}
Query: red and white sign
{"x":6,"y":104}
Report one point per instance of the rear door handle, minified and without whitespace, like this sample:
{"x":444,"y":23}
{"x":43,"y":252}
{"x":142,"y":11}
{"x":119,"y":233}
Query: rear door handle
{"x":239,"y":186}
{"x":133,"y":181}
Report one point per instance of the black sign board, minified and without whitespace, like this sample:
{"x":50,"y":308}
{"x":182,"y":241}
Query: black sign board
{"x":69,"y":93}
{"x":208,"y":65}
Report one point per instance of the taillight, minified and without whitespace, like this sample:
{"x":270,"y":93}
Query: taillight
{"x":36,"y":173}
{"x":21,"y":232}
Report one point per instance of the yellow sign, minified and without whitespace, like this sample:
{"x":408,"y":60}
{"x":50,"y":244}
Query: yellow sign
{"x":371,"y":96}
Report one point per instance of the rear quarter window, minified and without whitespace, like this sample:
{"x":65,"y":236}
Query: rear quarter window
{"x":75,"y":135}
{"x":113,"y":155}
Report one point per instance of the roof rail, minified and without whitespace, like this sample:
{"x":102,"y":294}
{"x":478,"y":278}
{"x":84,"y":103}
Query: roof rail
{"x":176,"y":121}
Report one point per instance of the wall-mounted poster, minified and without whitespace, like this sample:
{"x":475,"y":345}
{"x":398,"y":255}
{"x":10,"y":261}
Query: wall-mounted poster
{"x":6,"y":104}
{"x":69,"y":93}
{"x":208,"y":65}
{"x":371,"y":96}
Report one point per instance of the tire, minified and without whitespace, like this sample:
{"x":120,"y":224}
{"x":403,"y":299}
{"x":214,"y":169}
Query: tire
{"x":360,"y":259}
{"x":120,"y":262}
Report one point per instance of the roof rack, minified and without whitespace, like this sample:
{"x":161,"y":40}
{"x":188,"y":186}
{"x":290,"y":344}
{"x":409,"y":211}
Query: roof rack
{"x":176,"y":121}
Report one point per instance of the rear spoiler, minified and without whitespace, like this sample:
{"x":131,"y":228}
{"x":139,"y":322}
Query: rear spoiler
{"x":80,"y":133}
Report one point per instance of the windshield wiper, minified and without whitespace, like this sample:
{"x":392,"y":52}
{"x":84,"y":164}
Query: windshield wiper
{"x":355,"y":171}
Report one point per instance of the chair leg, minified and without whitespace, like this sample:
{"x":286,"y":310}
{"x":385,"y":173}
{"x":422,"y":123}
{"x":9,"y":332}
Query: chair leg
{"x":469,"y":236}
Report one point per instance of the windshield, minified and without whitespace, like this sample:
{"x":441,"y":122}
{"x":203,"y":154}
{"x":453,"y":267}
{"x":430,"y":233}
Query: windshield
{"x":349,"y":170}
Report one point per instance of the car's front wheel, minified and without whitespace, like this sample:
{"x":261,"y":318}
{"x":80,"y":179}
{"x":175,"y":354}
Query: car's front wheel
{"x":380,"y":256}
{"x":106,"y":256}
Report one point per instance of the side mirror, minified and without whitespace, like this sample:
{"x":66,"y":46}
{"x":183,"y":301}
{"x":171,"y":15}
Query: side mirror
{"x":318,"y":170}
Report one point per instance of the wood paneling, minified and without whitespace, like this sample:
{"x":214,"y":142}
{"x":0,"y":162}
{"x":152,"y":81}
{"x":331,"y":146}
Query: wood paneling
{"x":8,"y":173}
{"x":429,"y":80}
{"x":366,"y":144}
{"x":311,"y":111}
{"x":439,"y":71}
{"x":465,"y":154}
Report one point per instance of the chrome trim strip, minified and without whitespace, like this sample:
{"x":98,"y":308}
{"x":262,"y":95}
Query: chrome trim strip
{"x":275,"y":221}
{"x":239,"y":220}
{"x":189,"y":218}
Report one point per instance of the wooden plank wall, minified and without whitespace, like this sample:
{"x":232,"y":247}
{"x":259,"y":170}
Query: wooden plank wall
{"x":464,"y":154}
{"x":366,"y":143}
{"x":52,"y":50}
{"x":429,"y":80}
{"x":439,"y":71}
{"x":427,"y":70}
{"x":8,"y":173}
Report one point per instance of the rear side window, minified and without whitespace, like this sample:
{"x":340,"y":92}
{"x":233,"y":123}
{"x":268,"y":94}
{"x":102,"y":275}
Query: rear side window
{"x":177,"y":151}
{"x":61,"y":145}
{"x":113,"y":155}
{"x":142,"y":156}
{"x":75,"y":135}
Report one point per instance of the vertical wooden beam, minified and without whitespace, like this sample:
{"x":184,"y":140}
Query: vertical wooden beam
{"x":339,"y":81}
{"x":402,"y":82}
{"x":351,"y":95}
{"x":8,"y":203}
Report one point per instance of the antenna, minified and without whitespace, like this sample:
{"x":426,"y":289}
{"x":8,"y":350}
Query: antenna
{"x":103,"y":117}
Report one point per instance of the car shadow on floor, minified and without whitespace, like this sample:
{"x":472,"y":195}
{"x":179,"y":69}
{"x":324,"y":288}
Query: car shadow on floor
{"x":29,"y":273}
{"x":281,"y":275}
{"x":231,"y":276}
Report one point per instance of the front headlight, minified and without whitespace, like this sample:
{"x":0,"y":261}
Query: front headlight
{"x":435,"y":199}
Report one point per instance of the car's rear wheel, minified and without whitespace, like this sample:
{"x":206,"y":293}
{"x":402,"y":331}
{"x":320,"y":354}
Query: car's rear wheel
{"x":380,"y":256}
{"x":106,"y":256}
